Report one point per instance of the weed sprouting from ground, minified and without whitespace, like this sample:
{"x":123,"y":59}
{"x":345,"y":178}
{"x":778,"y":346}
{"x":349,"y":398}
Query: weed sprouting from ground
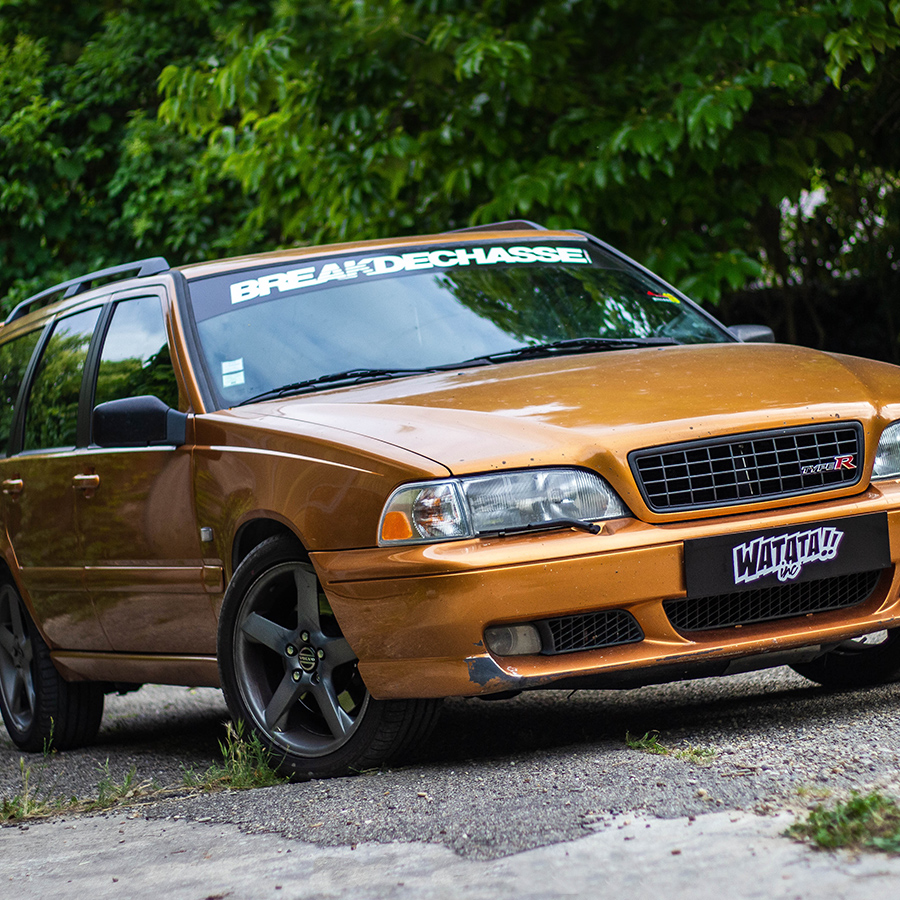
{"x":112,"y":793}
{"x":698,"y":755}
{"x":246,"y":763}
{"x":649,"y":743}
{"x":36,"y":799}
{"x":33,"y":801}
{"x":864,"y":822}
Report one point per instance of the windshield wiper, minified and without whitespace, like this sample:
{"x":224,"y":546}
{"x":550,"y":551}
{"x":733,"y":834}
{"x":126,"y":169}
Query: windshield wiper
{"x":353,"y":376}
{"x":575,"y":345}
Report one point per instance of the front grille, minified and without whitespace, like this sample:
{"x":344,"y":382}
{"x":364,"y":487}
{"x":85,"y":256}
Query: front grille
{"x":589,"y":631}
{"x":766,"y":604}
{"x":746,"y":468}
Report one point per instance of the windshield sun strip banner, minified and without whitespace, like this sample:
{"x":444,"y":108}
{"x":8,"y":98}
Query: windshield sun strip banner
{"x":323,"y":271}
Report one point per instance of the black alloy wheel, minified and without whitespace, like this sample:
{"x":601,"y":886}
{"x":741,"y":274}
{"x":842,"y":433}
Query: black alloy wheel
{"x":288,"y":673}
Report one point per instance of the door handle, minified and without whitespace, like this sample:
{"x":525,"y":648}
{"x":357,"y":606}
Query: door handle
{"x":86,"y":482}
{"x":12,"y":486}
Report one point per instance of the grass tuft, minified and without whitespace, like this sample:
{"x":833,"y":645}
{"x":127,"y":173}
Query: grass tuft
{"x":864,"y":822}
{"x":32,"y":801}
{"x":649,"y":743}
{"x":697,"y":755}
{"x":37,"y":801}
{"x":246,"y":764}
{"x":112,"y":793}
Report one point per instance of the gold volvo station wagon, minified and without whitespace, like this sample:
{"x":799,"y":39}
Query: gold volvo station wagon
{"x":345,"y":482}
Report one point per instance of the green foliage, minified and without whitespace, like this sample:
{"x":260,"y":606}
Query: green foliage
{"x":686,"y":134}
{"x":111,"y":793}
{"x":34,"y":799}
{"x":671,"y":130}
{"x":650,"y":743}
{"x":88,"y":175}
{"x":864,"y":822}
{"x":245,"y":764}
{"x":37,"y":799}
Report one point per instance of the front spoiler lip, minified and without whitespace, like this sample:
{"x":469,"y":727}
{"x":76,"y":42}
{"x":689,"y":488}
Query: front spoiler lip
{"x":487,"y":671}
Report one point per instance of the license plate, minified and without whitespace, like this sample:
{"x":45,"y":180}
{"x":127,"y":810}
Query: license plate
{"x":783,"y":556}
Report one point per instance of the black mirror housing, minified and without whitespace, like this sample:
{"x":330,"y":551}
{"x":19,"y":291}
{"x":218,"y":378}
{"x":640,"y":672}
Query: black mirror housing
{"x":138,"y":422}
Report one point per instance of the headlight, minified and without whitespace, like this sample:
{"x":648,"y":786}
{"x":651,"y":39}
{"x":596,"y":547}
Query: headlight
{"x":887,"y":457}
{"x":484,"y":504}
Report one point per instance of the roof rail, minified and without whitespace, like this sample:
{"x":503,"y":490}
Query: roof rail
{"x":142,"y":267}
{"x":508,"y":225}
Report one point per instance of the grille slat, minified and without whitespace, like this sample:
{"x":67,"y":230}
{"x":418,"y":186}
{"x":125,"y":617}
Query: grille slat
{"x":747,"y":468}
{"x":768,"y":604}
{"x":589,"y":631}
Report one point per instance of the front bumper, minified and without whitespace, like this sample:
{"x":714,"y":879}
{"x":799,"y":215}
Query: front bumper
{"x":415,"y":616}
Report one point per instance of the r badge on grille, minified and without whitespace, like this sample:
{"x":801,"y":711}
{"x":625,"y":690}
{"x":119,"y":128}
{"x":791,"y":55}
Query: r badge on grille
{"x":839,"y":462}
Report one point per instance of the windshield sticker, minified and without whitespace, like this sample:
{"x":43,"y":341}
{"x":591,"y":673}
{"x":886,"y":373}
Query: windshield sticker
{"x":663,"y":296}
{"x":307,"y":276}
{"x":232,"y":372}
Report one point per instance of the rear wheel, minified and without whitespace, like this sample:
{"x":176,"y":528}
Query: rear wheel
{"x":288,"y":673}
{"x":40,"y":709}
{"x":868,"y":660}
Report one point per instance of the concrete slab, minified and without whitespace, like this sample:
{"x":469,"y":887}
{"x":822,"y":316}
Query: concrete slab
{"x":726,"y":854}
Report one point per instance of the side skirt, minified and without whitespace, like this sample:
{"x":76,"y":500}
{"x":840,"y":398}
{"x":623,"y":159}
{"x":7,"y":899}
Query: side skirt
{"x":137,"y":668}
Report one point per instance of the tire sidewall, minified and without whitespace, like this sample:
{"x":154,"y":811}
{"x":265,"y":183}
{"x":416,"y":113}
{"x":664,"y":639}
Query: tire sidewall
{"x":350,"y":756}
{"x":32,"y":738}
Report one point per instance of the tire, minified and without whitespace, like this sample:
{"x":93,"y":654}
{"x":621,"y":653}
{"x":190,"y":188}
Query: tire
{"x":40,"y":709}
{"x":290,"y":676}
{"x":861,"y":662}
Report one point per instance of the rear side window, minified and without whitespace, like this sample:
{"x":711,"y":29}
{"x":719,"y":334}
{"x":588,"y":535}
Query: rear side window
{"x":135,"y":360}
{"x":14,"y":358}
{"x":51,"y":416}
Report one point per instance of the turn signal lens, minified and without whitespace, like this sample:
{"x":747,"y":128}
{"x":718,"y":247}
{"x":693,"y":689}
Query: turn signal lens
{"x":396,"y":527}
{"x":424,"y":512}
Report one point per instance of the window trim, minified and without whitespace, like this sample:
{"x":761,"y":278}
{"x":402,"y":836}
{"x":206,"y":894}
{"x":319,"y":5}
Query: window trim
{"x":95,"y":354}
{"x":18,"y":433}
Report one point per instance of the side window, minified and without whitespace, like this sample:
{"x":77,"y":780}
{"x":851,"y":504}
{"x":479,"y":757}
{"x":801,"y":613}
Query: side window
{"x":135,"y":358}
{"x":14,"y":358}
{"x":51,"y":415}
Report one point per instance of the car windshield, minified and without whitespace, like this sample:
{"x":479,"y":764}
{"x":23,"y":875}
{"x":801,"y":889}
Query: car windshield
{"x":369,"y":316}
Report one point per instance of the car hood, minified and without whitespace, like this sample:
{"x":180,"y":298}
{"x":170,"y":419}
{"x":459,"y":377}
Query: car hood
{"x":593,"y":409}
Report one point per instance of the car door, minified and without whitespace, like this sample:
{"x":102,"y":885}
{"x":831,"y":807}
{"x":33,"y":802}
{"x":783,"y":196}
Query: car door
{"x":38,"y":480}
{"x":135,"y":514}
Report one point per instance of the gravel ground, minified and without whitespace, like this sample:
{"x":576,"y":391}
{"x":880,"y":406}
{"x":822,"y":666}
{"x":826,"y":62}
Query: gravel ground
{"x":503,"y":777}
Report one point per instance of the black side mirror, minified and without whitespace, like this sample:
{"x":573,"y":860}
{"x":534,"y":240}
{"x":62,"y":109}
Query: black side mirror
{"x":138,"y":422}
{"x":753,"y":334}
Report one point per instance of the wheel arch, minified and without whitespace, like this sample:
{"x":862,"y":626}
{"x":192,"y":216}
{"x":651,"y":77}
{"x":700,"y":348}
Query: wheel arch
{"x":9,"y":572}
{"x":253,"y":532}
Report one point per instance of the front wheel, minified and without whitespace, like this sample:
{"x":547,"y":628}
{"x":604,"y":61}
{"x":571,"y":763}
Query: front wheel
{"x":40,"y":709}
{"x":860,"y":662}
{"x":288,"y":672}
